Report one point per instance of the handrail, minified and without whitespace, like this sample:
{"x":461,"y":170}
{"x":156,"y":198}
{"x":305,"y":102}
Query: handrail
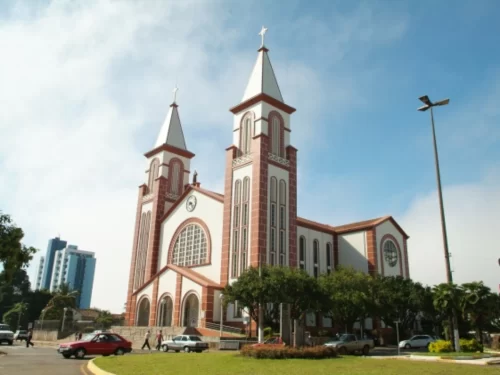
{"x":216,"y":326}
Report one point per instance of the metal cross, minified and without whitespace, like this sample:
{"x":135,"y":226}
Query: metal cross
{"x":262,"y":33}
{"x":175,"y":92}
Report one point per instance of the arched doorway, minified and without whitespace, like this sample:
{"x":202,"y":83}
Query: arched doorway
{"x":191,"y":311}
{"x":143,"y":313}
{"x":165,"y":312}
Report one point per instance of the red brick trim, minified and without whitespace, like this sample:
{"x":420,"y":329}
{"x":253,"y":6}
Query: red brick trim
{"x":304,"y":223}
{"x":129,"y":310}
{"x":207,"y":305}
{"x":407,"y":262}
{"x":292,"y":206}
{"x":264,"y":98}
{"x":371,"y":240}
{"x":180,"y":228}
{"x":382,"y":261}
{"x":154,"y":303}
{"x":259,"y":204}
{"x":177,"y":304}
{"x":226,"y":222}
{"x":169,"y":148}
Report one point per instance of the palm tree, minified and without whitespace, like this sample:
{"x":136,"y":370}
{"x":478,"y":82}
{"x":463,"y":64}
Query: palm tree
{"x":477,"y":305}
{"x":64,"y":297}
{"x":446,"y":298}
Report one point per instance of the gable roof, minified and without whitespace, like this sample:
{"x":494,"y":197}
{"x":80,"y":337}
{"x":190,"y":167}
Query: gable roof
{"x":262,"y":80}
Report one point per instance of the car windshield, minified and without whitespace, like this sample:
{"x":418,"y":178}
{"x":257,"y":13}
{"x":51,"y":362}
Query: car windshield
{"x":88,"y":337}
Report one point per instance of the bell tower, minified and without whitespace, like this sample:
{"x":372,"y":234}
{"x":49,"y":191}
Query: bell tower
{"x":166,"y":175}
{"x":260,"y":194}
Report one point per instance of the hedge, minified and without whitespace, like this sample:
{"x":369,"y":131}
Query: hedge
{"x":263,"y":352}
{"x":466,"y":346}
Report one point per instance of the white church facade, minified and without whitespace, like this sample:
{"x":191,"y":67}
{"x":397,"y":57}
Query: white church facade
{"x":189,"y":242}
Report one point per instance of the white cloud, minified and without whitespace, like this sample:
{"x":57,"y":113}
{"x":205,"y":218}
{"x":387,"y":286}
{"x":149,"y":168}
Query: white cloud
{"x":84,"y":89}
{"x":472,"y":221}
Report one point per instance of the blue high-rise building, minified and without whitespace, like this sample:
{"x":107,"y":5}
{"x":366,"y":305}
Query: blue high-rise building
{"x":69,"y":265}
{"x":54,"y":245}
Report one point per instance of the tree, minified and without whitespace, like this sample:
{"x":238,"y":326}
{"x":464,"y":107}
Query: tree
{"x":477,"y":305}
{"x":17,"y":317}
{"x":63,"y":298}
{"x":429,"y":313}
{"x":105,"y":319}
{"x":13,"y":254}
{"x":13,"y":289}
{"x":348,"y":295}
{"x":446,"y":298}
{"x":399,"y":299}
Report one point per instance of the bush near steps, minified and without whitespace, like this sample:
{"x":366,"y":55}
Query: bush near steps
{"x":318,"y":352}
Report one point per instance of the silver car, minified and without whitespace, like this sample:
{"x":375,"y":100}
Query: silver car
{"x":187,"y":343}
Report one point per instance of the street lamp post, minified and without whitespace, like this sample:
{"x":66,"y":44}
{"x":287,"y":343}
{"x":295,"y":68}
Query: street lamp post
{"x":221,"y":312}
{"x":64,"y":318}
{"x":429,"y":105}
{"x":43,"y":316}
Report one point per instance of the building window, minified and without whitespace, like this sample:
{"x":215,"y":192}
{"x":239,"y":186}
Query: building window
{"x":238,"y":310}
{"x":153,"y":173}
{"x":272,"y":238}
{"x":191,"y":246}
{"x":234,"y":271}
{"x":276,"y":129}
{"x":390,"y":253}
{"x":246,"y":135}
{"x":316,"y":258}
{"x":244,"y":224}
{"x":282,"y":223}
{"x":302,"y":253}
{"x":175,"y":172}
{"x":329,"y":258}
{"x":142,"y":250}
{"x":244,"y":249}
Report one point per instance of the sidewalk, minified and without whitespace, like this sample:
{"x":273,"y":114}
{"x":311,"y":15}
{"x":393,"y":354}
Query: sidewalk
{"x":411,"y":357}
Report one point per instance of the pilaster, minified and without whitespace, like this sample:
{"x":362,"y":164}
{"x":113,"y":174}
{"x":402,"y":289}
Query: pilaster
{"x":178,"y":301}
{"x":371,"y":240}
{"x":292,"y":206}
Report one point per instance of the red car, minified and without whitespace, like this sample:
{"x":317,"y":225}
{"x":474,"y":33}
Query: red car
{"x":104,"y":343}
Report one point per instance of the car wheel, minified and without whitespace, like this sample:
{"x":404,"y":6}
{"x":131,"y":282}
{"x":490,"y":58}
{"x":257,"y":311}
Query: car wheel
{"x":66,"y":355}
{"x":177,"y":351}
{"x":342,"y":350}
{"x":119,"y":351}
{"x":105,"y":355}
{"x":407,"y":346}
{"x":186,"y":349}
{"x":10,"y":342}
{"x":165,"y":348}
{"x":366,"y":350}
{"x":80,"y":353}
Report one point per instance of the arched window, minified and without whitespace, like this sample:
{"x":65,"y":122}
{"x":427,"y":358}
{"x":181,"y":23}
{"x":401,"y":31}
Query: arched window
{"x":142,"y":250}
{"x":316,"y":258}
{"x":390,"y":253}
{"x":244,"y":224}
{"x":153,"y":174}
{"x":236,"y":227}
{"x":302,"y":253}
{"x":329,"y":257}
{"x":276,"y":136}
{"x":165,"y":312}
{"x":274,"y":220}
{"x":190,"y":247}
{"x":246,"y":134}
{"x":282,"y":223}
{"x":175,"y":176}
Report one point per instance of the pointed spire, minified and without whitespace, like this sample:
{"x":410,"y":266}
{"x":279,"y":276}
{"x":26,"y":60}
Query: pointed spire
{"x":262,"y":80}
{"x":171,"y":131}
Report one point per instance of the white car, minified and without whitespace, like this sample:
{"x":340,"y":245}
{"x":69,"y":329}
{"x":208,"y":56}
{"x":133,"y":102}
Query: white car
{"x":21,"y":335}
{"x":417,"y":341}
{"x":6,"y":335}
{"x":187,"y":343}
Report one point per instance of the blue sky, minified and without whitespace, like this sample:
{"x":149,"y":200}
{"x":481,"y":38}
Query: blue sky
{"x":86,"y":86}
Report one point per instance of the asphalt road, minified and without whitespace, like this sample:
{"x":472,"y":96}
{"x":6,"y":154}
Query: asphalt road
{"x":40,"y":361}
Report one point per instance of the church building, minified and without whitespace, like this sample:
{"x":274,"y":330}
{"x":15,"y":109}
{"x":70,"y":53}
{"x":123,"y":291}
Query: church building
{"x":190,"y":242}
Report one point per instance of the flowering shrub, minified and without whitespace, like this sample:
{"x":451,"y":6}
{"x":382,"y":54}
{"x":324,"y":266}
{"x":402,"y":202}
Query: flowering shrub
{"x":470,"y":346}
{"x":263,"y":352}
{"x":440,"y":346}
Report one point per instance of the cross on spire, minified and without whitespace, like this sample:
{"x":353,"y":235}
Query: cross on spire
{"x":262,"y":33}
{"x":175,"y":93}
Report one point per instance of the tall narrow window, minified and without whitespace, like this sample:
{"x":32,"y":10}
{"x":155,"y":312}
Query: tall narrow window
{"x":329,"y":257}
{"x":302,"y":253}
{"x":273,"y":217}
{"x":236,"y":226}
{"x":316,"y":258}
{"x":276,"y":136}
{"x":275,"y":133}
{"x":153,"y":174}
{"x":282,"y":223}
{"x":175,"y":176}
{"x":244,"y":224}
{"x":246,"y":135}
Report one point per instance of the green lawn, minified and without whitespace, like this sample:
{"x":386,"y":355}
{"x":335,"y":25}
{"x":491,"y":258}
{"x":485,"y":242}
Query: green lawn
{"x":230,"y":363}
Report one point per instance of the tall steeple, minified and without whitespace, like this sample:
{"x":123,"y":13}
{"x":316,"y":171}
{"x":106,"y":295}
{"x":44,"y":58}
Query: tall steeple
{"x":171,"y":131}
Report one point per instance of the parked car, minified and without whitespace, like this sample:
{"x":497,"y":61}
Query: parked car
{"x":6,"y":335}
{"x":273,"y":342}
{"x":21,"y":335}
{"x":349,"y":343}
{"x":187,"y":343}
{"x":417,"y":341}
{"x":101,"y":343}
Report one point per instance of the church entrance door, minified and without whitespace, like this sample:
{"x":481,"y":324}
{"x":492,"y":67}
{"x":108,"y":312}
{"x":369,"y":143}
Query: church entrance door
{"x":191,"y":311}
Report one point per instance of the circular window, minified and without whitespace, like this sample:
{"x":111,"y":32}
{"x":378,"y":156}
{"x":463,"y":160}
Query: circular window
{"x":190,"y":246}
{"x":390,"y":253}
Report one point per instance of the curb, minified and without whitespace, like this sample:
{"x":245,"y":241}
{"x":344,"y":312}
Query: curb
{"x":94,"y":369}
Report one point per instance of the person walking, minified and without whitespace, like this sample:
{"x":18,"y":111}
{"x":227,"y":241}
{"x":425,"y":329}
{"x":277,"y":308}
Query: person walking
{"x":159,"y":339}
{"x":146,"y":340}
{"x":28,"y":339}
